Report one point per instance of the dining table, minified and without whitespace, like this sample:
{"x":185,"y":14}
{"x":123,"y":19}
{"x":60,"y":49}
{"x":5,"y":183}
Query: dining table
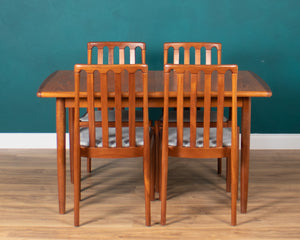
{"x":60,"y":85}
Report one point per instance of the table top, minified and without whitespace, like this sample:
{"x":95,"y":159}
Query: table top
{"x":60,"y":84}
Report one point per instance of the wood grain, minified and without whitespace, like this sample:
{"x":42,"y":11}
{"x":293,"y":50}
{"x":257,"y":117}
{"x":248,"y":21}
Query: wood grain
{"x":61,"y":84}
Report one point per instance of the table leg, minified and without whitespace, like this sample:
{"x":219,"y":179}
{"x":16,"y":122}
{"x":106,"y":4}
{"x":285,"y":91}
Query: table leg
{"x":61,"y":153}
{"x":245,"y":152}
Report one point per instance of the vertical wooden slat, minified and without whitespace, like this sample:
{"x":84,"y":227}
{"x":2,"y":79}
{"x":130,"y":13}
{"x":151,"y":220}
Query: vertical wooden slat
{"x":104,"y":109}
{"x":220,"y":109}
{"x":193,"y":111}
{"x":207,"y":109}
{"x":143,"y":56}
{"x":179,"y":108}
{"x":89,"y":60}
{"x":118,"y":109}
{"x":198,"y":56}
{"x":176,"y":55}
{"x":219,"y":56}
{"x":166,"y":51}
{"x":121,"y":56}
{"x":91,"y":108}
{"x":111,"y":55}
{"x":187,"y":56}
{"x":132,"y":55}
{"x":100,"y":55}
{"x":132,"y":110}
{"x":208,"y":56}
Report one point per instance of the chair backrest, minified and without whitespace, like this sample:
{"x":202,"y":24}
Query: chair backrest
{"x":112,"y":86}
{"x":187,"y":47}
{"x":211,"y":94}
{"x":121,"y":48}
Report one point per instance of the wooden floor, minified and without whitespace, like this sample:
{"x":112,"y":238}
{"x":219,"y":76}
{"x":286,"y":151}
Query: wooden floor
{"x":113,"y":199}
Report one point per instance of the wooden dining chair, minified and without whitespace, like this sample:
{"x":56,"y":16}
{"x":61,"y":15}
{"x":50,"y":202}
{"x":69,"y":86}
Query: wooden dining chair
{"x":190,"y":53}
{"x":109,"y":53}
{"x":195,"y":90}
{"x":112,"y":86}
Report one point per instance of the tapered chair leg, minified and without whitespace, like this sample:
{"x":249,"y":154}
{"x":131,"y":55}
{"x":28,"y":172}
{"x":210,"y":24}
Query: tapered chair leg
{"x":228,"y":174}
{"x":234,"y":182}
{"x":234,"y":190}
{"x":147,"y":186}
{"x":153,"y":168}
{"x":157,"y":156}
{"x":164,"y":179}
{"x":76,"y":189}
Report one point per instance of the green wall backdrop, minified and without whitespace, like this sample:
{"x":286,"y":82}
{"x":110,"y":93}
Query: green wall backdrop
{"x":39,"y":37}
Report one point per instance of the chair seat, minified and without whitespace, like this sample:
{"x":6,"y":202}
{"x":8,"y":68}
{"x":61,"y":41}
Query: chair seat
{"x":199,"y":137}
{"x":139,"y":137}
{"x":200,"y":114}
{"x":111,"y":116}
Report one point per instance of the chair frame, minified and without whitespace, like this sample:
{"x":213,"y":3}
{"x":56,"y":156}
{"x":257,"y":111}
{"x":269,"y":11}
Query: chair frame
{"x":209,"y":98}
{"x":111,"y":45}
{"x":105,"y":100}
{"x":187,"y":46}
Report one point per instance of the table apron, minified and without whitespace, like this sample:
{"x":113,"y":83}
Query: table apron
{"x":154,"y":103}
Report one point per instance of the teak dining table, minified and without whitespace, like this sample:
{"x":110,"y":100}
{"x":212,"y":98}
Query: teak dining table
{"x":60,"y":85}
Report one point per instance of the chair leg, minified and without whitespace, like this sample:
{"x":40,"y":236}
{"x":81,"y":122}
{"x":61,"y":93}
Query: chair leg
{"x":89,"y":165}
{"x":157,"y":156}
{"x":228,"y":174}
{"x":163,"y":187}
{"x":234,"y":182}
{"x":147,"y":186}
{"x":76,"y":188}
{"x":219,"y":166}
{"x":153,"y":168}
{"x":71,"y":142}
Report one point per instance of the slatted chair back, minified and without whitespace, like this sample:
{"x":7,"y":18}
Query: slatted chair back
{"x":212,"y":90}
{"x":121,"y":49}
{"x":104,"y":101}
{"x":197,"y":55}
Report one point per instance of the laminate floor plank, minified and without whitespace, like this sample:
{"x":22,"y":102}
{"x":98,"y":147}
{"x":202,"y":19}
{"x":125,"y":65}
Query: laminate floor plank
{"x":112,"y":205}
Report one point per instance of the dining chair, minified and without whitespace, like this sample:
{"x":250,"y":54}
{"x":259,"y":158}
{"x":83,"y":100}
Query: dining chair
{"x":109,"y":53}
{"x":192,"y":141}
{"x":191,"y":53}
{"x":121,"y":85}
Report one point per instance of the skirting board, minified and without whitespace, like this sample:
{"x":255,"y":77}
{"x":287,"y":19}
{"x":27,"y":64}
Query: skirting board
{"x":48,"y":140}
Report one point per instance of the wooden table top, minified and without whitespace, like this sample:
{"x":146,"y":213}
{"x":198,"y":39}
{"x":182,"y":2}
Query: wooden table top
{"x":60,"y":84}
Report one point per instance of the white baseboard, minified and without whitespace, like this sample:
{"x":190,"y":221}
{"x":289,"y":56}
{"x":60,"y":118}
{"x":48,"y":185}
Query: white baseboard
{"x":29,"y":140}
{"x":275,"y":141}
{"x":48,"y":140}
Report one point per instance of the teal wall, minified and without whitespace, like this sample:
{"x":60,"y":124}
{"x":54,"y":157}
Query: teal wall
{"x":41,"y":36}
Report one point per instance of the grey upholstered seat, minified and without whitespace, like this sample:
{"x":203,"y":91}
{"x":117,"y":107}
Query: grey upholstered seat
{"x":111,"y":116}
{"x":200,"y":114}
{"x":199,"y":137}
{"x":139,"y":137}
